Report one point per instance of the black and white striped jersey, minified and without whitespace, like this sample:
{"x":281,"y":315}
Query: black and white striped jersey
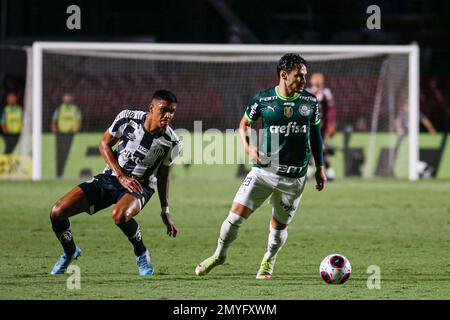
{"x":140,"y":152}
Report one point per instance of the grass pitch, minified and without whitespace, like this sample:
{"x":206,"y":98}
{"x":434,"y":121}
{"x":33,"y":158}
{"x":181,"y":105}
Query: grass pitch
{"x":401,"y":227}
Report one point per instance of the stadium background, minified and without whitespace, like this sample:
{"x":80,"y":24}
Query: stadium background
{"x":385,"y":226}
{"x":403,"y":22}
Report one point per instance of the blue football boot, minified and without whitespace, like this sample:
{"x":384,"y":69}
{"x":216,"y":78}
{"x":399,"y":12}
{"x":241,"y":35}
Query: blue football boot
{"x":64,"y":261}
{"x":144,"y":264}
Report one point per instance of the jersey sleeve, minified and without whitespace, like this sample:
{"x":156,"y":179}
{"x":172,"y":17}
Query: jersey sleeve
{"x":315,"y":119}
{"x":253,"y":110}
{"x":119,"y":124}
{"x":173,"y":154}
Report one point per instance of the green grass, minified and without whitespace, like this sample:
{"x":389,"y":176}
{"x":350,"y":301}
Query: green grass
{"x":401,"y":227}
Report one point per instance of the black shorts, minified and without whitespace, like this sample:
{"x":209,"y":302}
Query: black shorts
{"x":104,"y":190}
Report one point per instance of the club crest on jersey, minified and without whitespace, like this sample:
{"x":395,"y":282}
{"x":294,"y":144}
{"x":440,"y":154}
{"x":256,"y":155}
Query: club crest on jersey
{"x":158,"y":151}
{"x":288,"y":112}
{"x":305,"y":111}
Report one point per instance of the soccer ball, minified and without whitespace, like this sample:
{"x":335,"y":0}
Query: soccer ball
{"x":335,"y":269}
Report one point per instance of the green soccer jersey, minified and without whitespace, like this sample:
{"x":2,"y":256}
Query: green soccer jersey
{"x":286,"y":129}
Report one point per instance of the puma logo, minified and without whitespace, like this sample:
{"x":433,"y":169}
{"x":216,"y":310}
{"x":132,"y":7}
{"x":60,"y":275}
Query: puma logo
{"x":271,"y":108}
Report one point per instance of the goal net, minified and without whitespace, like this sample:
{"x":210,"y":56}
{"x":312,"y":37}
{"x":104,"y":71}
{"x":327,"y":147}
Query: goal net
{"x":374,"y":88}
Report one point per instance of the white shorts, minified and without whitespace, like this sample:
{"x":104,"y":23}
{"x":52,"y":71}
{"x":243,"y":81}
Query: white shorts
{"x":286,"y":193}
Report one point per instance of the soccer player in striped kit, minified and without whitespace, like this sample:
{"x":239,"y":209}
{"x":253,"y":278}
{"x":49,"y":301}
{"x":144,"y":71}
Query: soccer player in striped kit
{"x":146,"y":147}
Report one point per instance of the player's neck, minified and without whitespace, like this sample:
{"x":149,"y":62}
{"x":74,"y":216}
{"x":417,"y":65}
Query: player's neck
{"x":152,"y":128}
{"x":284,"y":91}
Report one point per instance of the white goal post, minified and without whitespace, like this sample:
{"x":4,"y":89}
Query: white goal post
{"x":40,"y":48}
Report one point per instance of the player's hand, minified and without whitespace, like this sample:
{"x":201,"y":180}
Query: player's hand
{"x":131,"y":184}
{"x":171,"y":228}
{"x":321,"y":178}
{"x":255,"y":154}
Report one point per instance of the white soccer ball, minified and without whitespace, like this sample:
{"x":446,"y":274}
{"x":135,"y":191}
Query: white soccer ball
{"x":335,"y":269}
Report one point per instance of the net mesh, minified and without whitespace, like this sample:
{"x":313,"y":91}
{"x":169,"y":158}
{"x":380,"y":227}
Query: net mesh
{"x":370,"y":93}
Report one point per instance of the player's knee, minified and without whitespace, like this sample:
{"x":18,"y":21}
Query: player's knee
{"x":57,"y":211}
{"x":119,"y":216}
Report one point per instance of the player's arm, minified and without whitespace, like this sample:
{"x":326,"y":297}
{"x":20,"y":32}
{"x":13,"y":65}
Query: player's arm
{"x":251,"y":114}
{"x":105,"y":146}
{"x":163,"y":193}
{"x":317,"y":150}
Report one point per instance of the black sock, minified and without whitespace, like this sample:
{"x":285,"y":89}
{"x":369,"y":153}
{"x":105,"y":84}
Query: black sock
{"x":133,"y":232}
{"x":64,"y":235}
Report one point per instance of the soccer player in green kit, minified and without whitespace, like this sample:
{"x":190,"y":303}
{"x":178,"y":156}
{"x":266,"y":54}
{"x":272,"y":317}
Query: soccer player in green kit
{"x":291,"y":121}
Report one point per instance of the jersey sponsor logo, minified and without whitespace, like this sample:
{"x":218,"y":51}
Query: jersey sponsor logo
{"x":317,"y":115}
{"x":305,"y":110}
{"x":253,"y":110}
{"x":289,"y":104}
{"x":126,"y":114}
{"x":281,"y":168}
{"x":129,"y":155}
{"x":308,"y":98}
{"x":287,"y":207}
{"x":267,"y":98}
{"x":291,"y":127}
{"x":288,"y":112}
{"x":142,"y":149}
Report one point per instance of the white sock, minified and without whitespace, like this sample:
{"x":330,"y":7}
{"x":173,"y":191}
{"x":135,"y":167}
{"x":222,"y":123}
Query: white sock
{"x":228,"y":233}
{"x":277,"y":238}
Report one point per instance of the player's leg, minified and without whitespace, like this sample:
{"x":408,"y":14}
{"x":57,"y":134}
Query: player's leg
{"x":278,"y":234}
{"x":228,"y":233}
{"x":72,"y":203}
{"x":230,"y":227}
{"x":254,"y":190}
{"x":285,"y":201}
{"x":123,"y":212}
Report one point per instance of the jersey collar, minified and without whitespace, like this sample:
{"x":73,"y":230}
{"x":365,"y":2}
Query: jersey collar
{"x":279,"y":96}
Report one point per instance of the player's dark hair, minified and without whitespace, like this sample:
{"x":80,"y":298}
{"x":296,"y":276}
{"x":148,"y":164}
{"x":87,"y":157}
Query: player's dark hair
{"x":165,"y":95}
{"x":288,"y":62}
